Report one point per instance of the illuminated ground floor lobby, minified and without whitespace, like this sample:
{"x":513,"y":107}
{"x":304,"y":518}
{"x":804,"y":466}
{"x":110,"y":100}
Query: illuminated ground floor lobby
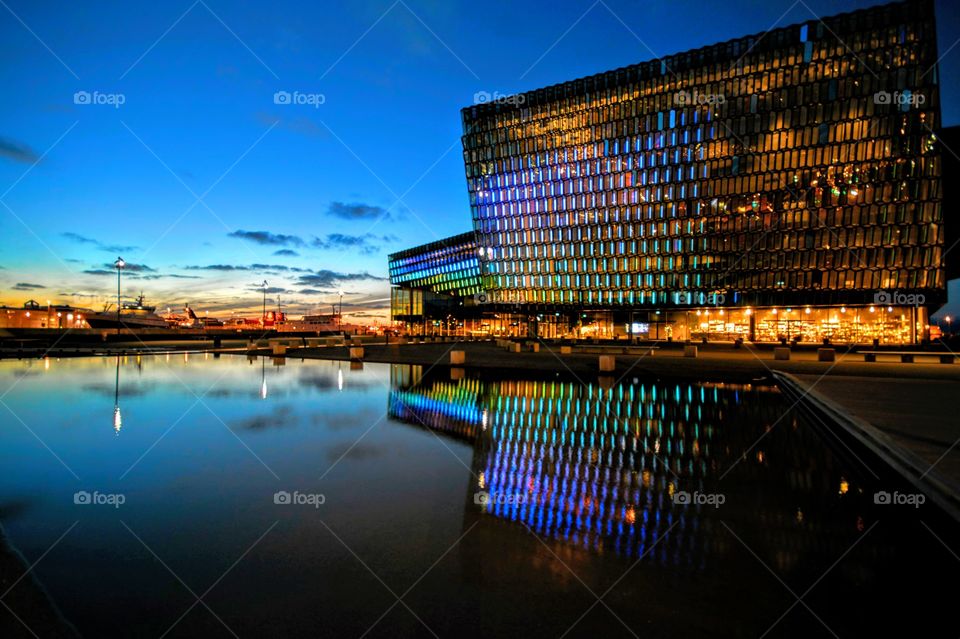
{"x":802,"y":324}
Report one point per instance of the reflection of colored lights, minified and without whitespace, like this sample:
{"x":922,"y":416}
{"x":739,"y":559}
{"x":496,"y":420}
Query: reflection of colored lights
{"x":630,"y":516}
{"x":844,"y":486}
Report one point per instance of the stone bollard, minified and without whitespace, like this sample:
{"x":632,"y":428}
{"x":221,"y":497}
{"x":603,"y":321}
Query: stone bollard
{"x":279,"y":349}
{"x":356,"y":353}
{"x":458,"y":357}
{"x":781,"y":352}
{"x":690,"y":350}
{"x":535,"y":347}
{"x":826,"y":354}
{"x":513,"y":347}
{"x":566,"y":350}
{"x":608,"y":363}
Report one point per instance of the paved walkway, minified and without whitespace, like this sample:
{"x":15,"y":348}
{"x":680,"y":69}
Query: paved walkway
{"x":921,"y":415}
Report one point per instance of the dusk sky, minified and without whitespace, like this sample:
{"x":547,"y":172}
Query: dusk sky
{"x":207,"y":186}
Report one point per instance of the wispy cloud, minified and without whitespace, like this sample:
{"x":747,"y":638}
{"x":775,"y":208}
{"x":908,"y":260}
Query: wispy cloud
{"x":356,"y":211}
{"x":325,"y":278}
{"x":266,"y":238}
{"x":286,"y":253}
{"x":365,"y":244}
{"x":130,"y":269}
{"x":110,"y":248}
{"x":27,"y":286}
{"x":17,"y":151}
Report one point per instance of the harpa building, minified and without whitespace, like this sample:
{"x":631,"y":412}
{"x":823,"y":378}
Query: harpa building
{"x":780,"y":186}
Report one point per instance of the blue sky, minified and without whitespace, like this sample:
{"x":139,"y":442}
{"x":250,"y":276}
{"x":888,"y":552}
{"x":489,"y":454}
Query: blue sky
{"x":381,"y":85}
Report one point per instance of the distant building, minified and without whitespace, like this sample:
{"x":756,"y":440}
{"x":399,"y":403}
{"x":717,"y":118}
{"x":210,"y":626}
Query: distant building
{"x":32,"y":315}
{"x":785,"y":185}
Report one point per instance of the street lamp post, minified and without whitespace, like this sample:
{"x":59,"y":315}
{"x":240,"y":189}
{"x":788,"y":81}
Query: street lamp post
{"x":263,"y":313}
{"x":119,"y":264}
{"x":340,"y":313}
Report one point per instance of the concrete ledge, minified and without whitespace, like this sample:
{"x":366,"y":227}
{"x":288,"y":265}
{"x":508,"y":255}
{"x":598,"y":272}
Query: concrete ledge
{"x":841,"y":424}
{"x":608,"y":363}
{"x":566,"y":350}
{"x":781,"y":352}
{"x":826,"y":355}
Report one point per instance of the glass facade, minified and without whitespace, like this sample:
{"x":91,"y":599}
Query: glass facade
{"x":798,"y":167}
{"x":433,"y":274}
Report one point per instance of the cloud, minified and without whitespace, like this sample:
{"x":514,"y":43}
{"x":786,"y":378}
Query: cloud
{"x":27,"y":286}
{"x":17,"y":151}
{"x":286,"y":253}
{"x":356,"y":211}
{"x":130,"y":269}
{"x":271,"y":290}
{"x":217,"y":267}
{"x":314,"y":291}
{"x":110,"y":248}
{"x":266,"y":238}
{"x":365,"y":244}
{"x":328,"y":279}
{"x":300,"y":125}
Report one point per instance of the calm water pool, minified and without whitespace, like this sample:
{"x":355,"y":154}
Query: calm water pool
{"x":323,"y":499}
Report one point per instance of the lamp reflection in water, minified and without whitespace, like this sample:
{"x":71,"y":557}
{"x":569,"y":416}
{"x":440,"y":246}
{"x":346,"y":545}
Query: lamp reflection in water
{"x":117,"y":420}
{"x":263,"y":378}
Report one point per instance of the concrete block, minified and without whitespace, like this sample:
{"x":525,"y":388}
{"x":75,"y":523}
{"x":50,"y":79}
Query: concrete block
{"x":608,"y":363}
{"x":535,"y":347}
{"x":458,"y":357}
{"x":906,"y":358}
{"x":279,"y":349}
{"x":356,"y":352}
{"x":946,"y":359}
{"x":566,"y":350}
{"x":781,"y":352}
{"x":690,"y":350}
{"x":513,"y":347}
{"x":869,"y":357}
{"x":826,"y":355}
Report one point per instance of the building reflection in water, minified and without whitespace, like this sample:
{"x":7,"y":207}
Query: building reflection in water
{"x":613,"y":469}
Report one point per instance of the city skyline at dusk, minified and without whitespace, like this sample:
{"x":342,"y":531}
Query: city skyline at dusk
{"x":215,"y":147}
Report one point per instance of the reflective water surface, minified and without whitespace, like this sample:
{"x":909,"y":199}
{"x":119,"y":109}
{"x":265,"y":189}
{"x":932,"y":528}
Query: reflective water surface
{"x":197,"y":496}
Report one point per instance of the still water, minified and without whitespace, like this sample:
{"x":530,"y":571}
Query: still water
{"x":193,"y":496}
